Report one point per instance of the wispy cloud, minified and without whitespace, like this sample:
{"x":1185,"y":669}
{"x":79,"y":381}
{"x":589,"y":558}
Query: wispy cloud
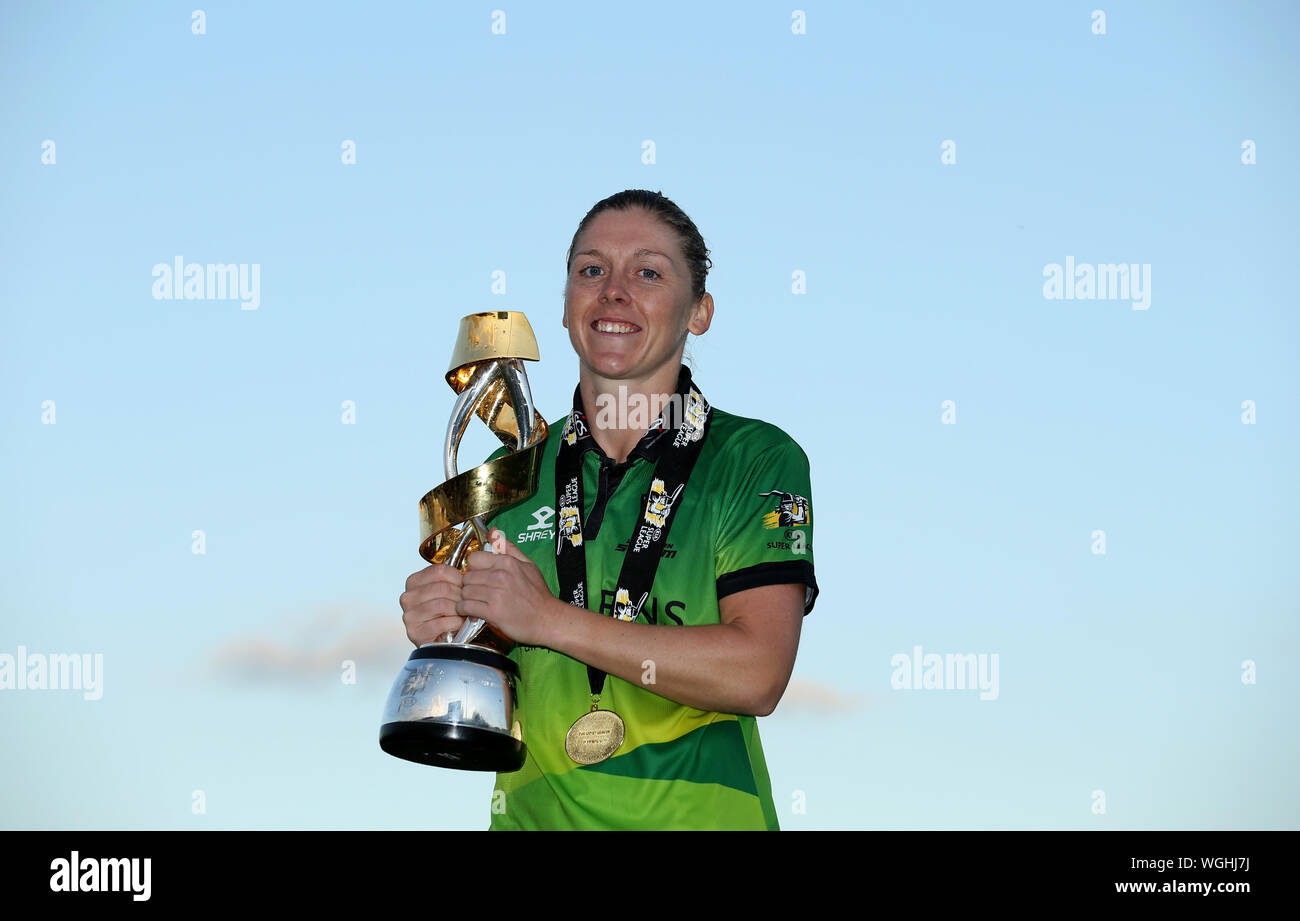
{"x":315,"y":643}
{"x":809,"y":696}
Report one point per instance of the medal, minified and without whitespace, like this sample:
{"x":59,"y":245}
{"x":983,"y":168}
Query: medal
{"x":594,"y":736}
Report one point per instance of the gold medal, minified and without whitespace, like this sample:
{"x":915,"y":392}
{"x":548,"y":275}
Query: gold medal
{"x":594,"y":736}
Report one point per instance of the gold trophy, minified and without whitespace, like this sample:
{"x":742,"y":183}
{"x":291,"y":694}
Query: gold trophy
{"x":453,"y":702}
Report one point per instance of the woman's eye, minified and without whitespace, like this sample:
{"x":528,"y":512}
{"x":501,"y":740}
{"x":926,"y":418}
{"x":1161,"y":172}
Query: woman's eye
{"x":586,"y":272}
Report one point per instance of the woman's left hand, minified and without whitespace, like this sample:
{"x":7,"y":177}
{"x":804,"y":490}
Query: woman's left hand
{"x":507,"y":590}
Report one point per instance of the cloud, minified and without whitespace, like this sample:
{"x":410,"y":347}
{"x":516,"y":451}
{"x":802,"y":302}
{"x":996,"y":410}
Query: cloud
{"x":313,"y":644}
{"x":809,"y":696}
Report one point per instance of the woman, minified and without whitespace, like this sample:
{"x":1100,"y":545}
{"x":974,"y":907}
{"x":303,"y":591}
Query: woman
{"x":656,"y":582}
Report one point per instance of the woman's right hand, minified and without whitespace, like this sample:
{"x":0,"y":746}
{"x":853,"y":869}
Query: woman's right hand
{"x":429,"y":603}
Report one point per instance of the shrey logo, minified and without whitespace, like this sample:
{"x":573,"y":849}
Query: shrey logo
{"x":213,"y":282}
{"x":102,"y":874}
{"x":1108,"y":281}
{"x":56,"y":672}
{"x":791,"y":510}
{"x":540,"y":529}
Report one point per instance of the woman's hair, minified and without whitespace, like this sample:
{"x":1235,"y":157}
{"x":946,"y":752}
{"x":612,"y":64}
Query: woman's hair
{"x":662,"y":207}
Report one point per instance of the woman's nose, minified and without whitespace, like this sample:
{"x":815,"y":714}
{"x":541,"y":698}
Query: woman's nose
{"x":613,"y":289}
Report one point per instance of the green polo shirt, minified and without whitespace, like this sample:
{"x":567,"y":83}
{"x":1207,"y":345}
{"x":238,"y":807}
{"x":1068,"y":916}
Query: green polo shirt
{"x":745,"y":521}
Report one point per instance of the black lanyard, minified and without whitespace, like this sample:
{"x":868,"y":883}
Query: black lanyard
{"x":645,"y":548}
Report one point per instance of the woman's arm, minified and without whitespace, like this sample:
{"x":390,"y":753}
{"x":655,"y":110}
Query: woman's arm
{"x":741,"y":665}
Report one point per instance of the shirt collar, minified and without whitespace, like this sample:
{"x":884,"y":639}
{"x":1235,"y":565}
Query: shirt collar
{"x":652,"y":443}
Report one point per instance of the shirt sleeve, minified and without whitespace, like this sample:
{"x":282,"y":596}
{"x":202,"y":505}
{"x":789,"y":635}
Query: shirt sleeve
{"x":766,"y":527}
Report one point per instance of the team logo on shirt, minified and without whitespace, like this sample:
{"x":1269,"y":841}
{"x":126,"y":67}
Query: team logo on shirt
{"x":693,"y":417}
{"x":570,"y":526}
{"x":791,"y":510}
{"x":574,"y":428}
{"x":624,"y":609}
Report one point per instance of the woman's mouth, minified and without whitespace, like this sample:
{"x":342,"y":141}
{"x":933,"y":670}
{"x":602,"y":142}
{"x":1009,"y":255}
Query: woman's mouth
{"x":614,"y":327}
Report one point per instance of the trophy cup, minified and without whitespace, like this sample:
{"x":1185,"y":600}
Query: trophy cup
{"x":453,"y":702}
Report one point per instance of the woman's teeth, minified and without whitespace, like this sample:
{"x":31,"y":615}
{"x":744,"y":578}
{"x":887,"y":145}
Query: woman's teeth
{"x":605,"y":326}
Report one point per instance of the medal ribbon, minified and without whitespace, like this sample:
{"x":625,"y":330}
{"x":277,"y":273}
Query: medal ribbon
{"x":649,"y":537}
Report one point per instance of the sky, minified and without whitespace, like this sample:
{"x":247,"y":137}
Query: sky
{"x":1093,"y":490}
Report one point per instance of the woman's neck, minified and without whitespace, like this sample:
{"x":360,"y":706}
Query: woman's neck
{"x":620,"y":411}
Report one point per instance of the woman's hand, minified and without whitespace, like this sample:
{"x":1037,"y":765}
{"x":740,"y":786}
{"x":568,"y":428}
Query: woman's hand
{"x":429,"y":603}
{"x":508,"y":591}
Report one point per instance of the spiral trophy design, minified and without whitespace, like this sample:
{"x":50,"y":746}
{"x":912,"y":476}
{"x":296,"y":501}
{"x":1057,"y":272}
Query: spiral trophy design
{"x":453,"y":702}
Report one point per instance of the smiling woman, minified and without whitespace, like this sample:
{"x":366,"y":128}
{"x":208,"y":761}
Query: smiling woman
{"x":663,"y":612}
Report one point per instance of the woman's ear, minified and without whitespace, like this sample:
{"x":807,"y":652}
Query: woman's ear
{"x":701,"y":315}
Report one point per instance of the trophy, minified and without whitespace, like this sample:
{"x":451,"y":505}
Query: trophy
{"x":453,"y":703}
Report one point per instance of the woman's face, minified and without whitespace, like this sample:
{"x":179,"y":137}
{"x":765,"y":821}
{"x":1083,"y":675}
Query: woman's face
{"x":627,"y":301}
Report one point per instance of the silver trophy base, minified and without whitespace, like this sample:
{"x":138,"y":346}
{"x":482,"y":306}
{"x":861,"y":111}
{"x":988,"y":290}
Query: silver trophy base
{"x":452,"y":706}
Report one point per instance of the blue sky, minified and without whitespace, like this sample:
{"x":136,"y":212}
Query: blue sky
{"x":817,"y":153}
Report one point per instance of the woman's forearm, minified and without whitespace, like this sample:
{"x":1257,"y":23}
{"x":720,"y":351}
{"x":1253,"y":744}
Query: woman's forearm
{"x":724,"y":667}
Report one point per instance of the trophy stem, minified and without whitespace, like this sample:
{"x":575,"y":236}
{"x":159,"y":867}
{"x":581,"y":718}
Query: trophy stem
{"x":471,"y":627}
